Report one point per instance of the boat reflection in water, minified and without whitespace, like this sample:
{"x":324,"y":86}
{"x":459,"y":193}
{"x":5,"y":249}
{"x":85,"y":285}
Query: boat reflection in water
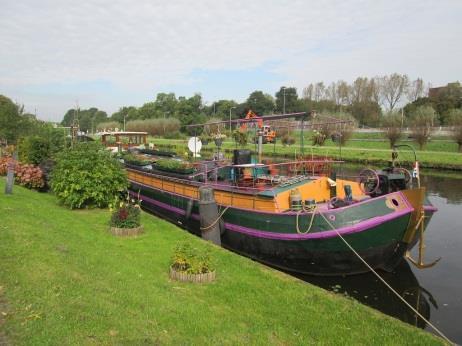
{"x":369,"y":290}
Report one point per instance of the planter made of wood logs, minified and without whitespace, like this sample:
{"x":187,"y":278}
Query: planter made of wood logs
{"x":185,"y":277}
{"x":126,"y":232}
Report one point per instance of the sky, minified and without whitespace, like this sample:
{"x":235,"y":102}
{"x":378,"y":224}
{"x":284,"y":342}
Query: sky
{"x":109,"y":54}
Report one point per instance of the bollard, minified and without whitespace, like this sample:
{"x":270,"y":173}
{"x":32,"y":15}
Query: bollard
{"x":208,"y":212}
{"x":332,"y":184}
{"x":10,"y":175}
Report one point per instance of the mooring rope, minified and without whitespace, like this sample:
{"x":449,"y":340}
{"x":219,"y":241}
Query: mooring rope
{"x":215,"y":222}
{"x":306,"y":209}
{"x":385,"y":283}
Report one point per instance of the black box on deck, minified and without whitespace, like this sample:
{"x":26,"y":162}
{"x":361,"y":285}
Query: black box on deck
{"x":241,"y":156}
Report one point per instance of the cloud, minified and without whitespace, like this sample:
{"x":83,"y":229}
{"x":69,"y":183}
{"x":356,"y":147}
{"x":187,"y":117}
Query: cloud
{"x":131,"y":50}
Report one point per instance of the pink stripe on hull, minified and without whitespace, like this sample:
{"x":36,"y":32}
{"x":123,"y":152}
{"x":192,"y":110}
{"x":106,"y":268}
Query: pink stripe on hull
{"x":359,"y":227}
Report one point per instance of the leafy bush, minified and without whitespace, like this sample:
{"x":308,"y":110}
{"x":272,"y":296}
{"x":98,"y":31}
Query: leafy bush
{"x":29,"y":176}
{"x":344,"y":129}
{"x":26,"y":175}
{"x":422,"y":120}
{"x":155,"y":127}
{"x":87,"y":176}
{"x":126,"y":213}
{"x":287,"y":140}
{"x":455,"y":121}
{"x":34,"y":149}
{"x":391,"y":124}
{"x":191,"y":260}
{"x":318,"y":138}
{"x":240,"y":137}
{"x":4,"y":164}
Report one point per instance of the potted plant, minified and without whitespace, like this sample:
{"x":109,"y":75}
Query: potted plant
{"x":205,"y":139}
{"x":125,"y":218}
{"x":191,"y":264}
{"x":174,"y":166}
{"x":218,"y":138}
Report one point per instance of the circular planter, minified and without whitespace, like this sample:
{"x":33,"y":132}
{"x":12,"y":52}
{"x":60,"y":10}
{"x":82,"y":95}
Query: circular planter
{"x":218,"y":142}
{"x":126,"y":232}
{"x":185,"y":277}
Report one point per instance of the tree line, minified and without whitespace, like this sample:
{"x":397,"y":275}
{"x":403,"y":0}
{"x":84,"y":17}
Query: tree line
{"x":368,"y":100}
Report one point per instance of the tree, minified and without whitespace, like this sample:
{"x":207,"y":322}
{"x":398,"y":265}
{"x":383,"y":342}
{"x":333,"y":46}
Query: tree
{"x":127,"y":113}
{"x":366,"y":112}
{"x":415,"y":90}
{"x":220,"y":109}
{"x":87,"y":119}
{"x":448,"y":98}
{"x":332,"y":93}
{"x":14,"y":123}
{"x":391,"y":125}
{"x":165,"y":105}
{"x":344,"y":129}
{"x":422,"y":121}
{"x":190,"y":111}
{"x":319,"y":91}
{"x":291,"y":100}
{"x":392,"y":88}
{"x":343,"y":91}
{"x":147,"y":111}
{"x":359,"y":90}
{"x":261,"y":103}
{"x":308,"y":92}
{"x":455,"y":121}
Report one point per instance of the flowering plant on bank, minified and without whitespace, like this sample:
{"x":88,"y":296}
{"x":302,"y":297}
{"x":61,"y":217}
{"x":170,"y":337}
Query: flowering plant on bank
{"x":218,"y":136}
{"x":126,"y":212}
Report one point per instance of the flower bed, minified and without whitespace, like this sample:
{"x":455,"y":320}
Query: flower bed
{"x":125,"y":218}
{"x":174,"y":166}
{"x":191,"y":264}
{"x":26,"y":175}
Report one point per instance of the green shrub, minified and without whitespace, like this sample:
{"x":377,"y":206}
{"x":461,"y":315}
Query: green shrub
{"x":87,"y":176}
{"x":191,"y":260}
{"x":287,"y":140}
{"x":34,"y":149}
{"x":155,"y":127}
{"x":240,"y":137}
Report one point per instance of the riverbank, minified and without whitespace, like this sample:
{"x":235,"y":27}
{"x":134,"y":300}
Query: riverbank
{"x":356,"y":151}
{"x":68,"y":281}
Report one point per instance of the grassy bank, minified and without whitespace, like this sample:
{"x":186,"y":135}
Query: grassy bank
{"x":441,"y":156}
{"x":65,"y":280}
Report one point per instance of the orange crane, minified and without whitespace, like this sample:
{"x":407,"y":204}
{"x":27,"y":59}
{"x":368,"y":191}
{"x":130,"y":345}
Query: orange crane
{"x":269,"y":135}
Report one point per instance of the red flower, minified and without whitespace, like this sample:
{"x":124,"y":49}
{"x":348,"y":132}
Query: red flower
{"x":123,"y":213}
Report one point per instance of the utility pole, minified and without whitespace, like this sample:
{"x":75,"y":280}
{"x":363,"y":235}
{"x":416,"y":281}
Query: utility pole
{"x":284,"y":100}
{"x":230,"y":119}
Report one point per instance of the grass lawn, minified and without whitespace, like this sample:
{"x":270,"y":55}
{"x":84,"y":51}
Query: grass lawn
{"x":66,"y":281}
{"x":438,"y":153}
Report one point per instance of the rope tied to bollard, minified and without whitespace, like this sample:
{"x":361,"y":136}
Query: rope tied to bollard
{"x":214,"y":222}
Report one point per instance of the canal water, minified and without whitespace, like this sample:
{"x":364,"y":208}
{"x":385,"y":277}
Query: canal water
{"x":436,"y":292}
